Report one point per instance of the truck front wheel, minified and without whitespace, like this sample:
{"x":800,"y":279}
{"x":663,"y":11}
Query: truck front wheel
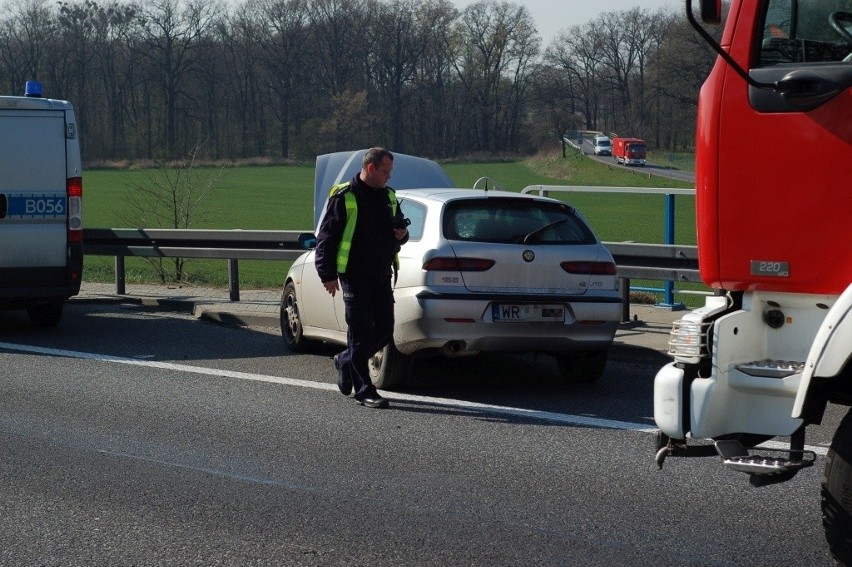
{"x":837,"y":493}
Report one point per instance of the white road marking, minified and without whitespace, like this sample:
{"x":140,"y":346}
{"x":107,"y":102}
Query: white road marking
{"x":553,"y":417}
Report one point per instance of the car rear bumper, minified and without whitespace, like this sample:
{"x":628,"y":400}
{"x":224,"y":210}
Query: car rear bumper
{"x":459,"y":324}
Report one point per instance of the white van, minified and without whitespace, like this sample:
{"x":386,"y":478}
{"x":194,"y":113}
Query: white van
{"x":603,"y":146}
{"x":41,"y":193}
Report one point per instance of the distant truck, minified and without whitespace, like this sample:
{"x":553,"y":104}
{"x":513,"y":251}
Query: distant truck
{"x":629,"y":151}
{"x":41,"y":193}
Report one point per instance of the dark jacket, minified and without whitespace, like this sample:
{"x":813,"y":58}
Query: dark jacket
{"x":374,"y":245}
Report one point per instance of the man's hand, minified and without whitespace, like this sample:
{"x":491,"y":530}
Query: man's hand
{"x":400,"y":233}
{"x":331,"y":287}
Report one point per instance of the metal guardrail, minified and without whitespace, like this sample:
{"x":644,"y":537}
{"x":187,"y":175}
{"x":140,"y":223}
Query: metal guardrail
{"x":661,"y":262}
{"x":231,"y":245}
{"x":192,"y":243}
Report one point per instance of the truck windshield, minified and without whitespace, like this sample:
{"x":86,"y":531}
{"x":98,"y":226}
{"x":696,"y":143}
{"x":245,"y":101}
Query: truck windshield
{"x":800,"y":32}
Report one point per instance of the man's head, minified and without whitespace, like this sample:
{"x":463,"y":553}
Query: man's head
{"x":376,"y":167}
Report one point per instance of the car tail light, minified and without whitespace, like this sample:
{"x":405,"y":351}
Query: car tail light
{"x":591,"y":268}
{"x":74,"y":189}
{"x":458,"y":265}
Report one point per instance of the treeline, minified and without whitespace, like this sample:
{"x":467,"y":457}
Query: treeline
{"x":295,"y":78}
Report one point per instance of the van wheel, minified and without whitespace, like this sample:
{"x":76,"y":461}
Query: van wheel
{"x":837,"y":493}
{"x":291,"y":323}
{"x":582,"y":367}
{"x":45,"y":313}
{"x":389,"y":368}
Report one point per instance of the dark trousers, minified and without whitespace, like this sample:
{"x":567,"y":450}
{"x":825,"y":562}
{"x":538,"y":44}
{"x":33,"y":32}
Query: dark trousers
{"x":369,"y":316}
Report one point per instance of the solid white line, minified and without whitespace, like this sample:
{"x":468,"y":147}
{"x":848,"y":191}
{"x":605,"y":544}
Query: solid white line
{"x":553,"y":417}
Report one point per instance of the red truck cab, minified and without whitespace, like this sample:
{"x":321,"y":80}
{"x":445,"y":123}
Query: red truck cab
{"x":770,"y":352}
{"x":769,"y":219}
{"x":629,"y":151}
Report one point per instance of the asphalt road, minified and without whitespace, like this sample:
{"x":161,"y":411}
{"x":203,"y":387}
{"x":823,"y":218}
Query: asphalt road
{"x":132,"y":436}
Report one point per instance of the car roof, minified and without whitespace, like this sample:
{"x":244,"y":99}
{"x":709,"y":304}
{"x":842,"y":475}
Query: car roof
{"x":444,"y":195}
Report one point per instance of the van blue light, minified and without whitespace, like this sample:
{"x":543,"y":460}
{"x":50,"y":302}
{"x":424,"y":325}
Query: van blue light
{"x":33,"y":89}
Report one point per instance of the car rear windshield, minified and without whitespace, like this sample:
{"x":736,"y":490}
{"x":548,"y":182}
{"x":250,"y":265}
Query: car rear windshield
{"x":515,"y":221}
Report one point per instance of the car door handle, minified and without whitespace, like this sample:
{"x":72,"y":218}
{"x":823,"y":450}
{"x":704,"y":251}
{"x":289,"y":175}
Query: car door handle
{"x":807,"y":87}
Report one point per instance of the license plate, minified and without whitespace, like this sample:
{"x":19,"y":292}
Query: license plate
{"x":519,"y":313}
{"x":31,"y":206}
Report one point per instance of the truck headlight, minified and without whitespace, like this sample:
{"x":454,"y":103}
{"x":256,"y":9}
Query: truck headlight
{"x":688,"y":341}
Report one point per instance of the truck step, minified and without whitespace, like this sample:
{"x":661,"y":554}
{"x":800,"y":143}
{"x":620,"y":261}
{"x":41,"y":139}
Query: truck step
{"x":765,"y":463}
{"x":772,"y":368}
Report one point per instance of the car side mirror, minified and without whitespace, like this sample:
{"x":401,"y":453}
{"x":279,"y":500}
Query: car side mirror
{"x":307,"y":240}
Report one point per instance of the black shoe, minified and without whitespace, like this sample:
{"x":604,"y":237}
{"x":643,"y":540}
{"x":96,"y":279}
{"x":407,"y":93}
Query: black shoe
{"x":374,"y":401}
{"x":344,"y":380}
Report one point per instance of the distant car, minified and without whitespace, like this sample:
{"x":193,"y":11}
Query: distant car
{"x":603,"y":146}
{"x":483,"y":271}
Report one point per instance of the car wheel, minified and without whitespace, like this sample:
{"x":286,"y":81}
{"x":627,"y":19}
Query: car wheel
{"x":837,"y":493}
{"x":45,"y":313}
{"x":291,"y":322}
{"x":582,"y":367}
{"x":389,"y":368}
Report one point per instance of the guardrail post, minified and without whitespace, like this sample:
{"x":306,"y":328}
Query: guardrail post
{"x":119,"y":276}
{"x":234,"y":279}
{"x":668,"y":285}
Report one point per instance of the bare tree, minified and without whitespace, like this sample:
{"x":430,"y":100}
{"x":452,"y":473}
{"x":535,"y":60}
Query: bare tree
{"x":340,"y":46}
{"x":172,"y":33}
{"x":436,"y":99}
{"x":282,"y":33}
{"x":77,"y":35}
{"x":171,"y":199}
{"x":497,"y":45}
{"x":115,"y":71}
{"x":676,"y":74}
{"x":554,"y":103}
{"x":394,"y":62}
{"x":575,"y":53}
{"x":239,"y":46}
{"x":627,"y":39}
{"x":29,"y":41}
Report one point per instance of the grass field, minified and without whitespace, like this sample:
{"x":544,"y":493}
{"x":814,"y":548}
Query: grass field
{"x":280,"y":198}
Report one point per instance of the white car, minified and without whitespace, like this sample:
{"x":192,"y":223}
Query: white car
{"x":483,"y":271}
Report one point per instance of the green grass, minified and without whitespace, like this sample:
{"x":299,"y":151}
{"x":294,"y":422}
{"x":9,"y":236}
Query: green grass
{"x":281,"y":198}
{"x":250,"y":198}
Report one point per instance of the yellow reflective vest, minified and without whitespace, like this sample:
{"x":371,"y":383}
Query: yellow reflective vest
{"x":345,"y":245}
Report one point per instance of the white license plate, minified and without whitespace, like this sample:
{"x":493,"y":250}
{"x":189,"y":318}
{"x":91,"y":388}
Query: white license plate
{"x":515,"y":313}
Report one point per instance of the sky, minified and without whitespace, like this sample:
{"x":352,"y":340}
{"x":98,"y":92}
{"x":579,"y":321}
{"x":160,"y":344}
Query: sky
{"x":554,"y":16}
